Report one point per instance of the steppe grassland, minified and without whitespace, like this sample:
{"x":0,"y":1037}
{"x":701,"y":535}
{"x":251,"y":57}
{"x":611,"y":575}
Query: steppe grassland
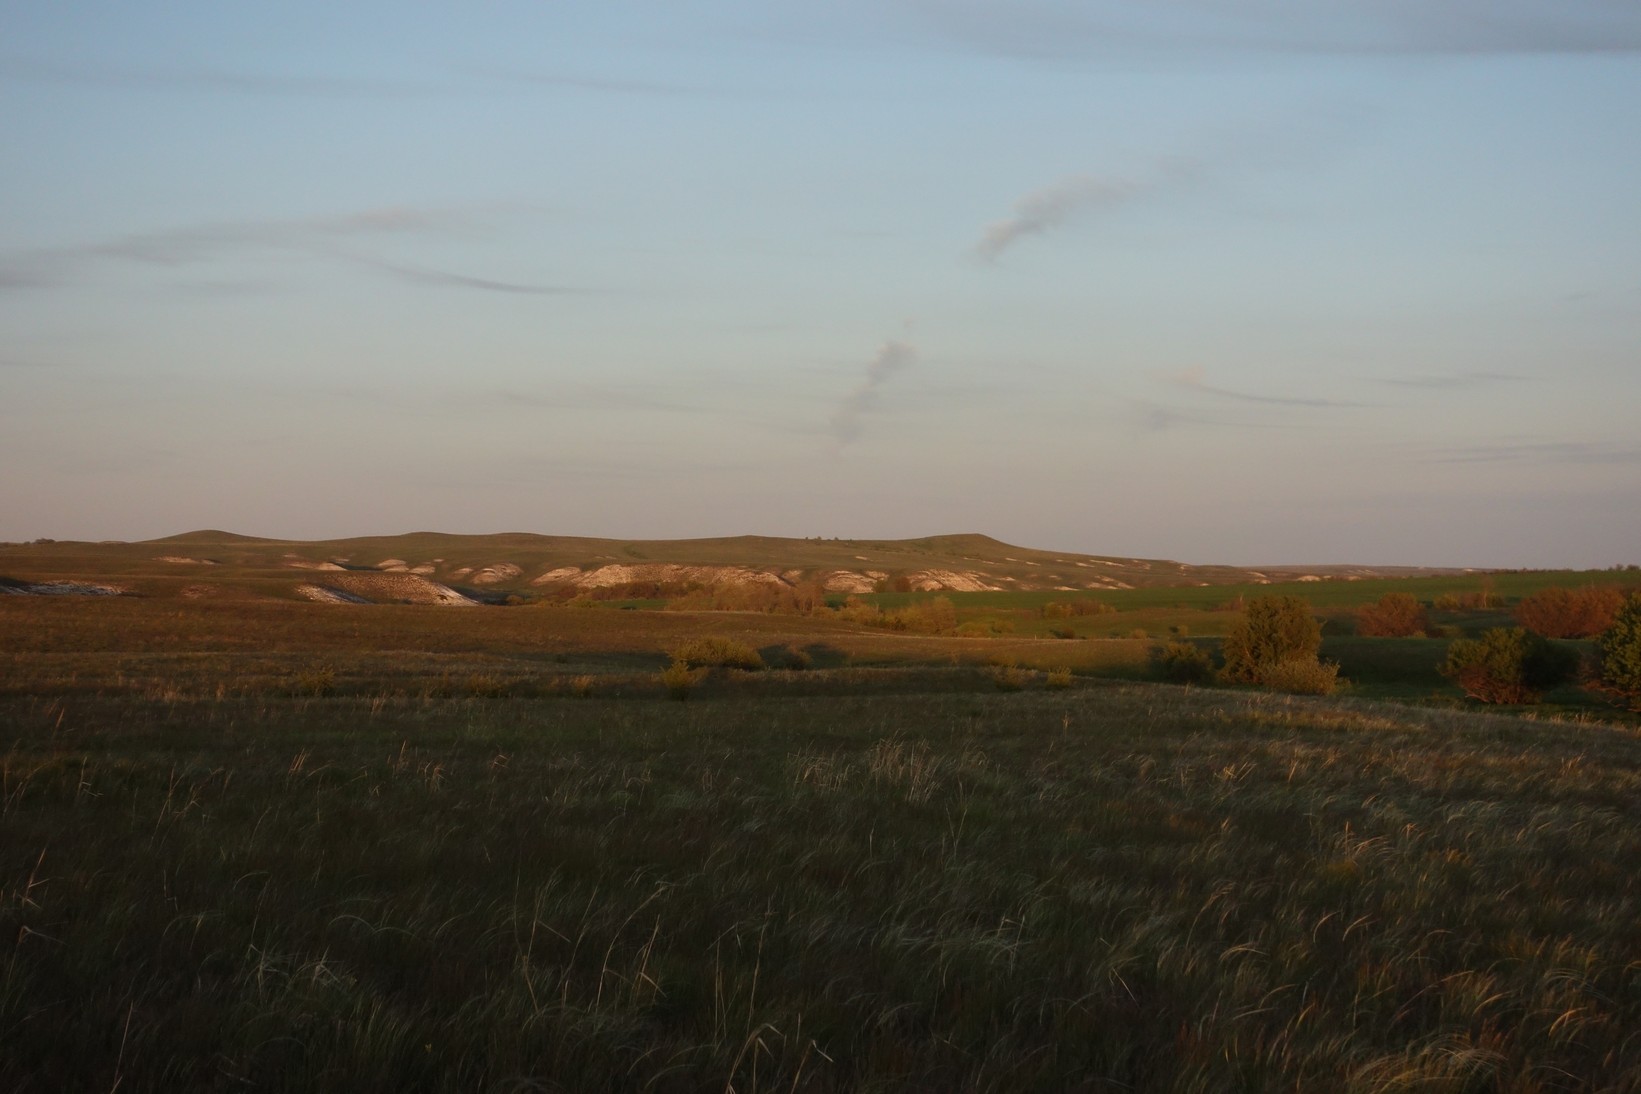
{"x":222,"y":867}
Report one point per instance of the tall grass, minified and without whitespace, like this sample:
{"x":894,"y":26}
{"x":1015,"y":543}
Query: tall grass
{"x":1137,"y":887}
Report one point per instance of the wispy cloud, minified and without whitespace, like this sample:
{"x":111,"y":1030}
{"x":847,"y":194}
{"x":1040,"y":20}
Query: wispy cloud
{"x":463,"y":80}
{"x":1192,"y":380}
{"x":583,"y":398}
{"x":1158,"y":418}
{"x":892,"y":357}
{"x":1452,"y":381}
{"x":421,"y":275}
{"x":613,"y":85}
{"x":1072,"y":28}
{"x":1048,"y":208}
{"x":1044,"y":210}
{"x":197,"y":78}
{"x":1574,"y":452}
{"x":323,"y":237}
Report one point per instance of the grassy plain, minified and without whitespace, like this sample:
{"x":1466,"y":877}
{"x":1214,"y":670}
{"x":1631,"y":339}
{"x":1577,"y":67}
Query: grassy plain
{"x":269,"y":845}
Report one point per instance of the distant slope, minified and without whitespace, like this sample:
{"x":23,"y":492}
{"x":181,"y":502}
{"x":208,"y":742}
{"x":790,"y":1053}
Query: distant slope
{"x":211,"y":562}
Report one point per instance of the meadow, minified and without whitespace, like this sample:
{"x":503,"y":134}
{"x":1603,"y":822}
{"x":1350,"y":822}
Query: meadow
{"x":281,"y":846}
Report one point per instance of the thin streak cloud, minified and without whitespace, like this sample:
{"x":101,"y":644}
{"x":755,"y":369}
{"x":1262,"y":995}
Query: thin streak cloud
{"x":1191,"y":380}
{"x":1453,"y":381}
{"x":1051,"y":29}
{"x":421,"y":275}
{"x":1575,"y":452}
{"x":193,"y":244}
{"x":609,"y":84}
{"x":211,"y":80}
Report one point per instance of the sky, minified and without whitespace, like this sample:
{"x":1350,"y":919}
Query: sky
{"x":1222,"y":281}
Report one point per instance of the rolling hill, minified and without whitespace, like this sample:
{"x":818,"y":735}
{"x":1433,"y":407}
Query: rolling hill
{"x":437,"y":567}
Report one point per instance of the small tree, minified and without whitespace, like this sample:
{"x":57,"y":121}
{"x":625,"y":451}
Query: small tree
{"x":1618,"y":655}
{"x":1396,"y":615}
{"x":1275,"y":629}
{"x":1508,"y":665}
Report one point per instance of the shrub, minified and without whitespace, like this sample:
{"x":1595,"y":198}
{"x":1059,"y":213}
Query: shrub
{"x":1007,"y":677}
{"x":727,"y":653}
{"x":856,"y":610}
{"x":1396,"y":615}
{"x":1476,"y":600}
{"x":1058,"y":678}
{"x":1618,"y":655}
{"x":1182,"y":662}
{"x":1302,"y":676}
{"x":1570,"y":613}
{"x":1508,"y":665}
{"x":789,"y":658}
{"x":679,"y":680}
{"x":1065,"y":609}
{"x":937,"y":616}
{"x":1274,"y":629}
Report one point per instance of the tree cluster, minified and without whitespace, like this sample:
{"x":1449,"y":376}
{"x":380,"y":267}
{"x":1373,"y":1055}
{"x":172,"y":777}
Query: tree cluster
{"x":1570,"y":613}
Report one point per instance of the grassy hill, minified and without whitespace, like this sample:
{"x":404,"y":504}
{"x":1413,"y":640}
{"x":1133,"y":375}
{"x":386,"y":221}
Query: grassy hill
{"x":520,"y":563}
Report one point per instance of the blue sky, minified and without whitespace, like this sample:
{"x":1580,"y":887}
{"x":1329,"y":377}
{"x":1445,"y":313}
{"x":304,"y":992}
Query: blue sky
{"x":1244,"y":281}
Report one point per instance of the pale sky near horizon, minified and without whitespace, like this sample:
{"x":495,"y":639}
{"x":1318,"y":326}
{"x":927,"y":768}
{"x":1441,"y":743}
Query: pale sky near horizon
{"x":1224,"y":281}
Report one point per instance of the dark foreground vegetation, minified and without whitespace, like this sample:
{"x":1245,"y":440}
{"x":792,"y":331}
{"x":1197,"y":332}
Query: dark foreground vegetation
{"x":294,"y":847}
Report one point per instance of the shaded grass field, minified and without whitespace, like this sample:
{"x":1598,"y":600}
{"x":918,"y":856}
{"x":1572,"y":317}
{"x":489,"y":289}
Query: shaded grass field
{"x":286,"y":847}
{"x":1132,"y":887}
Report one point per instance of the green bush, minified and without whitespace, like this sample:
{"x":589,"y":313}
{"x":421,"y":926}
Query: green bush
{"x":1618,"y":655}
{"x":700,"y":653}
{"x":1182,"y":662}
{"x":1508,"y":665}
{"x":1273,"y":629}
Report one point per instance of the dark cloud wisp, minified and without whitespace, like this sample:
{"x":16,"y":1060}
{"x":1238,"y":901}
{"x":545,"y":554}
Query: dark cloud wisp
{"x":892,"y":357}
